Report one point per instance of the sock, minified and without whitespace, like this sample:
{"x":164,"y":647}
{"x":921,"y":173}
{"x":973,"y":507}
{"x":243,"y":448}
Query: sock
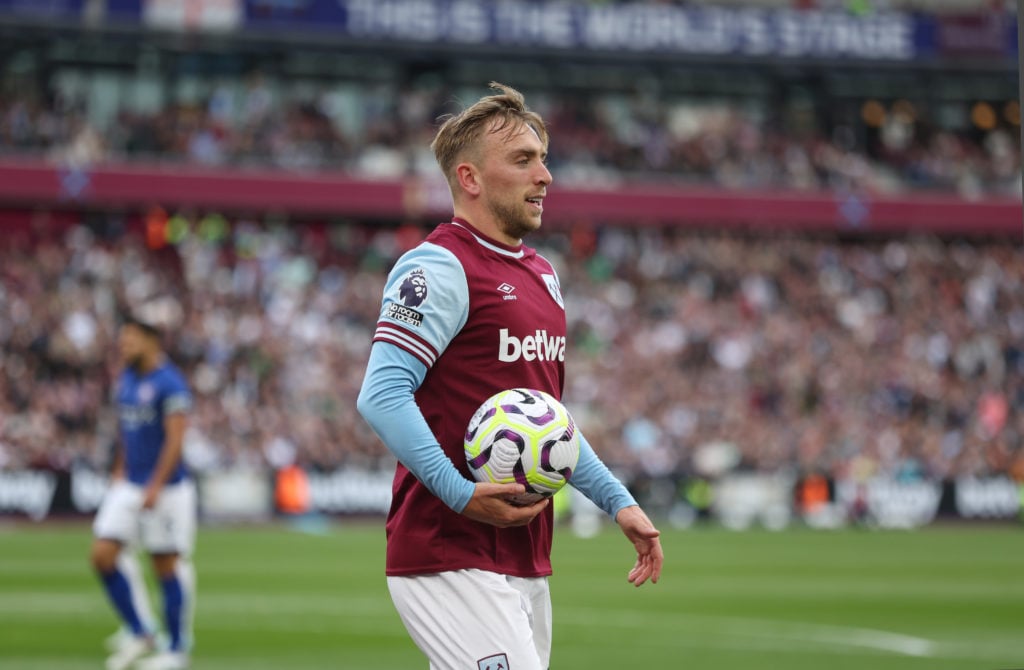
{"x":121,"y":596}
{"x":128,"y":564}
{"x":173,"y":609}
{"x":187,"y":577}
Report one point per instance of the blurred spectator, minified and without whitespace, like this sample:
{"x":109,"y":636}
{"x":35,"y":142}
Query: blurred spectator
{"x":900,"y":357}
{"x":382,"y":130}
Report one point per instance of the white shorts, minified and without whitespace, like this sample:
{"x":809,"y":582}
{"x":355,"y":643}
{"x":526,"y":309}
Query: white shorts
{"x":476,"y":620}
{"x":168,"y":528}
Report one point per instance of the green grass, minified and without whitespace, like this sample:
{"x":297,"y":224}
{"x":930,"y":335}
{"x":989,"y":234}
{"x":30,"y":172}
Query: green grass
{"x":273,"y":598}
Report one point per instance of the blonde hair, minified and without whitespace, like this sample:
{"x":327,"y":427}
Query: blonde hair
{"x":460,"y":133}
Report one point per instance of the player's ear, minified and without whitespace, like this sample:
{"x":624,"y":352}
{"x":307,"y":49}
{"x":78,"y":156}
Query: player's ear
{"x":468,"y":178}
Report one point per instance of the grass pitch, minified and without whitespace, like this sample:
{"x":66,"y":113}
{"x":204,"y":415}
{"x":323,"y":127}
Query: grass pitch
{"x":271,"y":597}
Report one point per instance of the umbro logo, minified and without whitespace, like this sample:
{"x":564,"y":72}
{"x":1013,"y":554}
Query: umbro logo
{"x":507,"y":289}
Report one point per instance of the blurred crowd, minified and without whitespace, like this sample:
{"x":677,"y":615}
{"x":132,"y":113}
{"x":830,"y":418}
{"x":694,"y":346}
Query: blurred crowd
{"x":900,"y":357}
{"x":598,"y":138}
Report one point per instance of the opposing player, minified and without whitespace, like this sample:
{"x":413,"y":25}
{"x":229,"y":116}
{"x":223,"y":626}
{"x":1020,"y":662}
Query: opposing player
{"x":151,"y":500}
{"x":469,"y":312}
{"x":128,"y":564}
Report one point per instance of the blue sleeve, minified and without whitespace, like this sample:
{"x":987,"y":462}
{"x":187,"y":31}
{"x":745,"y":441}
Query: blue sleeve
{"x":593,"y":479}
{"x":426,"y":302}
{"x":386,"y":402}
{"x":177,"y":399}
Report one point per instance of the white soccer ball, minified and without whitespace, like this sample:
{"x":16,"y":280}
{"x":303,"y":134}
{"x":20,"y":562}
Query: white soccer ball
{"x":523,"y":436}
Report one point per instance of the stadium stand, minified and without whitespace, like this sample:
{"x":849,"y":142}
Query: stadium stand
{"x":860,"y":317}
{"x":901,"y":357}
{"x":603,"y":137}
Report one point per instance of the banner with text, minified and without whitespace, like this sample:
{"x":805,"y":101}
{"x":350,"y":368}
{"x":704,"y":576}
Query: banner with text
{"x":648,"y":27}
{"x":628,"y":27}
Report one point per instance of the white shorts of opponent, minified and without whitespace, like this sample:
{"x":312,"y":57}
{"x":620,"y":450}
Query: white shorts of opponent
{"x":476,"y":620}
{"x":168,"y":528}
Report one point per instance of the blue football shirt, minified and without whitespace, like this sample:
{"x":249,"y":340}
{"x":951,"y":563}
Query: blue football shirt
{"x":144,"y":400}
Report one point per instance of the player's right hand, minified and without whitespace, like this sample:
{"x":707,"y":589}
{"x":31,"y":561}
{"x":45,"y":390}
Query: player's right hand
{"x":490,"y":504}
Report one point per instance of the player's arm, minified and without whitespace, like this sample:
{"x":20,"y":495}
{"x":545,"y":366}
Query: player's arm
{"x":387,"y":403}
{"x":117,"y":466}
{"x":426,"y":303}
{"x":175,"y":422}
{"x":593,"y":478}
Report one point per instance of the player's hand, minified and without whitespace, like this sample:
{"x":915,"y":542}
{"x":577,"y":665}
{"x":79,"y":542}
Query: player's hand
{"x":490,"y":504}
{"x":149,"y":499}
{"x":644,"y":536}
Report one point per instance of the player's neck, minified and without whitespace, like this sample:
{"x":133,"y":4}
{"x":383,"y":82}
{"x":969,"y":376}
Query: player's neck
{"x":484,"y":223}
{"x":149,"y":362}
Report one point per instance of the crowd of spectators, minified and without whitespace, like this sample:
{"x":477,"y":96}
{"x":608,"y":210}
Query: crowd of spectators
{"x":384,"y":131}
{"x":900,"y":357}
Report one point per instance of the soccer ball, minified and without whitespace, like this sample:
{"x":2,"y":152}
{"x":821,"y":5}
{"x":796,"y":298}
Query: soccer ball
{"x":525,"y":436}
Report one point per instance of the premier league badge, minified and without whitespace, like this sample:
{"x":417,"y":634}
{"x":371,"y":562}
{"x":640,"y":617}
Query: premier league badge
{"x":413,"y":291}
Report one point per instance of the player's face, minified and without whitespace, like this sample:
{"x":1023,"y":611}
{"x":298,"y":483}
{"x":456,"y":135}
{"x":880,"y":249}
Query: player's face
{"x":514,"y":180}
{"x":133,"y":345}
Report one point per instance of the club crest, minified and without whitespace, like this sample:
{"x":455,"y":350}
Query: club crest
{"x":551,"y":281}
{"x":146,"y":393}
{"x":495,"y":662}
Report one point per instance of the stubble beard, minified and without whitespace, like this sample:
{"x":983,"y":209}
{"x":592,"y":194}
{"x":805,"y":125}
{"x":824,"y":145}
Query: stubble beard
{"x":513,"y":222}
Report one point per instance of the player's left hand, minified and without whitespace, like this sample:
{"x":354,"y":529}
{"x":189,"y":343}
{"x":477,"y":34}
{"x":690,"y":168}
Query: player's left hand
{"x":644,"y":536}
{"x":149,"y":499}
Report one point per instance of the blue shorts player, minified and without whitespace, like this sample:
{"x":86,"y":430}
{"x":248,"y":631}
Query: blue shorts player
{"x":151,"y":501}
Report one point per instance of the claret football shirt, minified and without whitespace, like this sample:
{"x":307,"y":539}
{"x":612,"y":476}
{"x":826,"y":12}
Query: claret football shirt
{"x":482,"y":317}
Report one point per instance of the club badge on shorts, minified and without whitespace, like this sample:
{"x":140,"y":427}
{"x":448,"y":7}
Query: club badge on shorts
{"x":495,"y":662}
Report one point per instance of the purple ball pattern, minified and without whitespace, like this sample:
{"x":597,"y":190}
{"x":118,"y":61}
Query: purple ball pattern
{"x":523,"y":436}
